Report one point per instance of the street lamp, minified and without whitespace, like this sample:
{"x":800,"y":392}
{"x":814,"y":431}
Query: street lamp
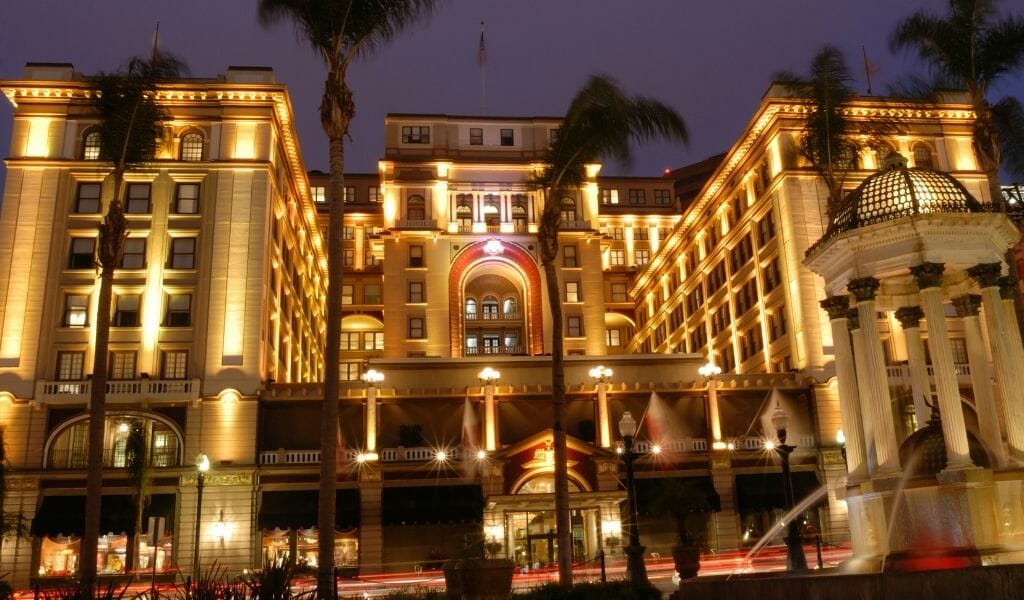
{"x":636,"y":571}
{"x":371,"y":378}
{"x":601,"y":374}
{"x":202,"y":466}
{"x":841,"y":440}
{"x":795,"y":560}
{"x":487,"y":378}
{"x":709,"y":371}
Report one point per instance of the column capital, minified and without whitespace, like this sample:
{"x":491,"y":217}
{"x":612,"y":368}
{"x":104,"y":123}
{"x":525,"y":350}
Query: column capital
{"x":836,"y":306}
{"x":967,"y":305}
{"x":1007,"y":287}
{"x":910,"y":316}
{"x":928,"y":275}
{"x":864,"y":288}
{"x":853,"y":319}
{"x":986,"y":274}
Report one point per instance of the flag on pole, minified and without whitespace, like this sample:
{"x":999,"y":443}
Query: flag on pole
{"x":481,"y":56}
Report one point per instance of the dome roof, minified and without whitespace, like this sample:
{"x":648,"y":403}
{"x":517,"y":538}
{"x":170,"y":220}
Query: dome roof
{"x":923,"y":453}
{"x":898,"y":192}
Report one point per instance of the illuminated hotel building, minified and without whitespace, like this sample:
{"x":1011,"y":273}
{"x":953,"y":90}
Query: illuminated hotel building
{"x":219,"y":312}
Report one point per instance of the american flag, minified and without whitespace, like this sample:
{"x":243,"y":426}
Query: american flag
{"x":481,"y":56}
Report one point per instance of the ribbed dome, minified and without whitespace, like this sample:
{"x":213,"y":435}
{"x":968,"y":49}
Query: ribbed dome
{"x":900,"y":192}
{"x":923,"y":453}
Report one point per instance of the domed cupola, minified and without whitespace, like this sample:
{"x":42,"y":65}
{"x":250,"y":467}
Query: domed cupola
{"x":923,"y":453}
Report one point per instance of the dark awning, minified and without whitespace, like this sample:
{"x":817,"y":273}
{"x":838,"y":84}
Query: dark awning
{"x":432,"y":504}
{"x":764,"y":491}
{"x":665,"y":495}
{"x":160,"y":505}
{"x":65,"y":515}
{"x":298,"y":509}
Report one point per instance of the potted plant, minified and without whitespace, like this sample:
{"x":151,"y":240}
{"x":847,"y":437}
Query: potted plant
{"x":477,"y":574}
{"x":688,"y":501}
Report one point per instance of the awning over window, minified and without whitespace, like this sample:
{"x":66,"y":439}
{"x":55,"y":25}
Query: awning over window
{"x":65,"y":515}
{"x":298,"y":509}
{"x":663,"y":495}
{"x":764,"y":491}
{"x":432,"y":504}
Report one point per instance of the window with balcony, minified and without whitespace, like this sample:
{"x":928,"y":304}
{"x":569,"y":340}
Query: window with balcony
{"x":192,"y":146}
{"x":122,"y":366}
{"x":416,"y":208}
{"x":76,"y":310}
{"x":174,"y":364}
{"x":126,"y":311}
{"x":137,"y":199}
{"x":70,"y":365}
{"x":68,"y":446}
{"x":87,"y":198}
{"x":464,"y":212}
{"x":183,"y":253}
{"x":470,"y":308}
{"x":134,"y":256}
{"x":416,"y":134}
{"x":83,"y":253}
{"x":179,"y":310}
{"x":186,"y":199}
{"x":510,"y":308}
{"x":568,"y":210}
{"x":492,"y":210}
{"x":520,"y":217}
{"x":490,"y":307}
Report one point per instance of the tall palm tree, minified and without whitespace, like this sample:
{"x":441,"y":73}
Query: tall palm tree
{"x":827,"y":142}
{"x":971,"y":48}
{"x":130,"y":124}
{"x":602,"y":121}
{"x":137,"y":462}
{"x":340,"y":31}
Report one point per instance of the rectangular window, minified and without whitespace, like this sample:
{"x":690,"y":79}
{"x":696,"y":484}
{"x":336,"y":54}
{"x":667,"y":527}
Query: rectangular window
{"x":174,"y":364}
{"x":350,"y":371}
{"x":641,"y":234}
{"x":572,"y":291}
{"x":349,"y":340}
{"x":87,"y":198}
{"x":508,"y":137}
{"x":179,"y":310}
{"x":183,"y":253}
{"x":574,"y":327}
{"x":616,"y":258}
{"x":348,"y":232}
{"x":371,"y":293}
{"x":613,"y":337}
{"x":766,"y":229}
{"x":416,"y":294}
{"x":415,"y":135}
{"x":374,"y":194}
{"x":609,"y":196}
{"x":350,"y":193}
{"x":369,"y":259}
{"x":619,"y":292}
{"x":637,"y":196}
{"x":618,"y":233}
{"x":83,"y":253}
{"x":137,"y":201}
{"x":348,"y":257}
{"x":373,"y":340}
{"x":415,"y":328}
{"x":69,"y":365}
{"x":134,"y":256}
{"x":122,"y":365}
{"x":319,"y":193}
{"x":126,"y":311}
{"x":415,"y":256}
{"x":476,"y":136}
{"x":76,"y":310}
{"x":186,"y":199}
{"x":662,"y":197}
{"x":643,"y":256}
{"x":569,"y":257}
{"x":347,"y":292}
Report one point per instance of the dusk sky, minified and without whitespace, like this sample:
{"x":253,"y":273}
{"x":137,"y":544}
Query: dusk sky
{"x":711,"y":60}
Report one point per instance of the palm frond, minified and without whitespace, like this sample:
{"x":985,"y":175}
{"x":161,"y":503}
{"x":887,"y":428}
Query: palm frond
{"x":1008,"y":116}
{"x":1001,"y":49}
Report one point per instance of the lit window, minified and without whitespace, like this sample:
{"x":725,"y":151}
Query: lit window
{"x":192,"y":147}
{"x":416,"y":256}
{"x":69,"y":365}
{"x":643,"y":256}
{"x":415,"y":135}
{"x":616,"y":257}
{"x":619,"y":292}
{"x":572,"y":291}
{"x":174,"y":364}
{"x":415,"y":328}
{"x":137,"y":201}
{"x":371,"y":293}
{"x":373,"y":340}
{"x":350,"y":371}
{"x":126,"y":311}
{"x":350,"y":193}
{"x":319,"y":193}
{"x":179,"y":310}
{"x":416,"y":208}
{"x":87,"y":200}
{"x":374,"y":194}
{"x":83,"y":253}
{"x":476,"y":136}
{"x":91,"y":146}
{"x":609,"y":196}
{"x":186,"y":199}
{"x":923,"y":157}
{"x":183,"y":253}
{"x":76,"y":310}
{"x":122,"y":365}
{"x":613,"y":337}
{"x":416,"y":294}
{"x":508,"y":137}
{"x":347,"y":291}
{"x":134,"y":256}
{"x":568,"y":210}
{"x":348,"y":257}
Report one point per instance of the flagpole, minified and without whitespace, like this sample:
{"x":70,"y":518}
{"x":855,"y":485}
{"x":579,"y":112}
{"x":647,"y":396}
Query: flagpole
{"x":867,"y":68}
{"x":482,"y":59}
{"x":156,"y":40}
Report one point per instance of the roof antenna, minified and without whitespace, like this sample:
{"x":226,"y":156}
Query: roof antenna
{"x":156,"y":41}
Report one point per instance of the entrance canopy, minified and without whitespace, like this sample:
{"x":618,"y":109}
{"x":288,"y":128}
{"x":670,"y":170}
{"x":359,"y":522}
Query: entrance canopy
{"x":65,"y":515}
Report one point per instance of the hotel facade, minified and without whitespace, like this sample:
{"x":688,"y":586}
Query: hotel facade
{"x":219,"y":316}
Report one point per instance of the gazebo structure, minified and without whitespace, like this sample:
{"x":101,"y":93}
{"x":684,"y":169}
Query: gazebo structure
{"x":914,"y":243}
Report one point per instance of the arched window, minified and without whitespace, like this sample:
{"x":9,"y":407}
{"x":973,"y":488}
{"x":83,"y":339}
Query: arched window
{"x":416,"y":208}
{"x":509,"y":308}
{"x":923,"y":156}
{"x":470,"y":308}
{"x":490,"y":307}
{"x":192,"y":146}
{"x":464,"y":211}
{"x":492,"y":213}
{"x":91,"y":145}
{"x":519,"y":214}
{"x":68,"y":448}
{"x":568,"y":206}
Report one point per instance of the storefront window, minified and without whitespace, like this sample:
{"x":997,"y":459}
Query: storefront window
{"x":279,"y":545}
{"x":58,"y":556}
{"x":161,"y":553}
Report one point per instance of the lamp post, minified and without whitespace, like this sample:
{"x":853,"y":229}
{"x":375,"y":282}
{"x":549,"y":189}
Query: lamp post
{"x":202,"y":466}
{"x":601,"y":375}
{"x":709,"y":371}
{"x":371,"y":378}
{"x":488,"y":377}
{"x":636,"y":571}
{"x":795,"y":559}
{"x":841,"y":440}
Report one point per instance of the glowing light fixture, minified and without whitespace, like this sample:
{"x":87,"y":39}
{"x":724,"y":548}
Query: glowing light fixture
{"x":600,"y":373}
{"x":441,"y":455}
{"x":488,"y":375}
{"x":122,"y":428}
{"x":493,"y":247}
{"x":481,"y":454}
{"x":840,"y":437}
{"x":372,"y":377}
{"x":710,"y":370}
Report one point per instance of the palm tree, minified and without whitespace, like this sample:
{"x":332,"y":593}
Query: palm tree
{"x":129,"y":127}
{"x":970,"y":48}
{"x":601,"y":121}
{"x":827,"y":142}
{"x":137,"y":462}
{"x":340,"y":31}
{"x":11,"y":525}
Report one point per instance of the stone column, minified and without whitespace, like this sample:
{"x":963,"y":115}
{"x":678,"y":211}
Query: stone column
{"x":879,"y":401}
{"x":1007,"y":291}
{"x":371,"y":530}
{"x":1008,"y":364}
{"x":954,"y":432}
{"x":604,"y":431}
{"x":981,"y":379}
{"x":371,"y":420}
{"x":714,"y":416}
{"x":490,"y":422}
{"x":920,"y":386}
{"x":867,"y":427}
{"x":846,"y":375}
